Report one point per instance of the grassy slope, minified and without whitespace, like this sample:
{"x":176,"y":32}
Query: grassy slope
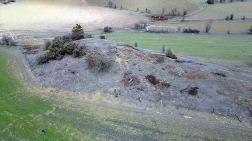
{"x":234,"y":47}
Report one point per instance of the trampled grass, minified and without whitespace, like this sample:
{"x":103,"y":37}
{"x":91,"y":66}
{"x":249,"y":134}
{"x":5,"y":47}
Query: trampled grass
{"x":223,"y":47}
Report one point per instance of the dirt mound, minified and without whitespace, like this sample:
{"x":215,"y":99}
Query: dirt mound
{"x":139,"y":77}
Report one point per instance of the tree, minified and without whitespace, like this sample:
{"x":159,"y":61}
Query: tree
{"x":184,"y":15}
{"x":208,"y":28}
{"x":210,"y":1}
{"x":232,"y":17}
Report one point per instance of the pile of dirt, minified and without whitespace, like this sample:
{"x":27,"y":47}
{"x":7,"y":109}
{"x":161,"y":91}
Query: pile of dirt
{"x":139,"y":77}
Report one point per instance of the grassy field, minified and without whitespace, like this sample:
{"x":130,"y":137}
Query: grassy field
{"x":216,"y":27}
{"x":220,"y":11}
{"x":224,"y":47}
{"x":155,"y":6}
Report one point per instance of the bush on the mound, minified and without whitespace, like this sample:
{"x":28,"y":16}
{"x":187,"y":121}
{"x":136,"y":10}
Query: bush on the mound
{"x":78,"y":52}
{"x":168,"y":53}
{"x":77,"y":32}
{"x":98,"y":62}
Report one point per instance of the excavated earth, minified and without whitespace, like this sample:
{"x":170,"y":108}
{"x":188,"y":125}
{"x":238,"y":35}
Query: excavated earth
{"x":149,"y":79}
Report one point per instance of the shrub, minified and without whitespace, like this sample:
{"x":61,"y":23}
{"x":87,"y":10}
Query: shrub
{"x":228,"y":32}
{"x":129,"y":79}
{"x":107,"y":29}
{"x":232,"y":17}
{"x":78,"y":52}
{"x":135,"y":44}
{"x":189,"y":30}
{"x":68,"y":48}
{"x":208,"y":28}
{"x":250,"y":30}
{"x":102,"y":37}
{"x":55,"y":49}
{"x":210,"y":1}
{"x":139,"y":26}
{"x":77,"y":32}
{"x":170,"y":54}
{"x":152,"y":79}
{"x":7,"y":40}
{"x":98,"y":62}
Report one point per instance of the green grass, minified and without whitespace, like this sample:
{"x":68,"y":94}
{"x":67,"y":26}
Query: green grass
{"x":224,"y":47}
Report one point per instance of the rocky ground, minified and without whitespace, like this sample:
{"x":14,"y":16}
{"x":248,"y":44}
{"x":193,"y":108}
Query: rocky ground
{"x":147,"y":79}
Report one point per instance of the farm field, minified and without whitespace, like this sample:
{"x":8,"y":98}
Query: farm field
{"x":224,"y":47}
{"x":216,"y":27}
{"x":154,"y":6}
{"x":220,"y":11}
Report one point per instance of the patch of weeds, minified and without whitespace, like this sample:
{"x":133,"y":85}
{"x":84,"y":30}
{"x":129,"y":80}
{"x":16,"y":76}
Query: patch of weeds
{"x":129,"y":79}
{"x":190,"y":90}
{"x":156,"y":82}
{"x":98,"y":62}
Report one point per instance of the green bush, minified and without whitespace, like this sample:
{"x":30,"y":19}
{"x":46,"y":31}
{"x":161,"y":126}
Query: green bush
{"x":68,"y":48}
{"x":170,"y":54}
{"x":77,"y":32}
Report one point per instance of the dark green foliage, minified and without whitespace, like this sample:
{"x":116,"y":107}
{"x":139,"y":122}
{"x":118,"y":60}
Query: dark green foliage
{"x":210,"y":1}
{"x":78,"y":52}
{"x":232,"y":17}
{"x":107,"y":29}
{"x":77,"y":32}
{"x":169,"y":54}
{"x":55,"y":49}
{"x":102,"y":37}
{"x":189,"y":30}
{"x":68,"y":48}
